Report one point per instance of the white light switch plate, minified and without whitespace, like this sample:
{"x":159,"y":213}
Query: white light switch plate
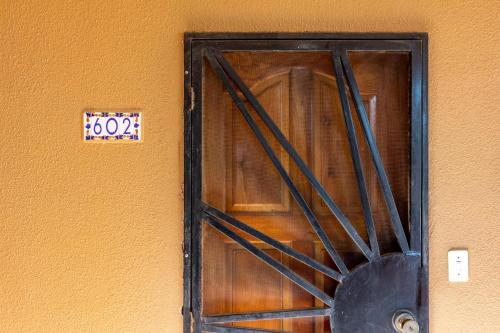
{"x":458,"y":265}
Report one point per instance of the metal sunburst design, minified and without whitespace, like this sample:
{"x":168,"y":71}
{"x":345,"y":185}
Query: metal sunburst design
{"x":379,"y":296}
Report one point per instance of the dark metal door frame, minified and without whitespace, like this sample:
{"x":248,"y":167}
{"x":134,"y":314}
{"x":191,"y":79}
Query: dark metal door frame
{"x":196,"y":47}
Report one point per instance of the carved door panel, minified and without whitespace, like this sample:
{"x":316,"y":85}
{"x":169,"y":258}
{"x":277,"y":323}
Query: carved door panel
{"x":305,"y":183}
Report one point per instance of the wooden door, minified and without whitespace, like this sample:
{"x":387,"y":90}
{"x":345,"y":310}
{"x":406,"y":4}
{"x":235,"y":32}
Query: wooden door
{"x":264,"y":224}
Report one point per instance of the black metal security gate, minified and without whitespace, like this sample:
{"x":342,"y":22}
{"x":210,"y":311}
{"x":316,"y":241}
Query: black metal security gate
{"x":235,"y":114}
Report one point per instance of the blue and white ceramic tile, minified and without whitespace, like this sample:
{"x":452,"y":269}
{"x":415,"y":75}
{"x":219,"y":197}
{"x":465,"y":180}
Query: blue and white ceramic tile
{"x":112,"y":126}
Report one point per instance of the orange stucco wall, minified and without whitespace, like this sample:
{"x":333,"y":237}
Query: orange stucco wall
{"x":90,"y":235}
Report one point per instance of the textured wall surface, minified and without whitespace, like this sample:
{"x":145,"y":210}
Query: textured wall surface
{"x":90,"y":235}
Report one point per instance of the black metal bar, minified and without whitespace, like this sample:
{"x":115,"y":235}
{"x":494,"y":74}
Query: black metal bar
{"x":272,"y":36}
{"x":307,"y":45}
{"x":278,"y":266}
{"x":186,"y":306}
{"x":336,"y":211}
{"x":416,"y":151}
{"x":234,"y":329}
{"x":268,"y":315}
{"x":377,"y":160}
{"x":274,"y":243}
{"x":425,"y":156}
{"x":356,"y":159}
{"x":424,"y":222}
{"x":318,"y":229}
{"x":196,"y":189}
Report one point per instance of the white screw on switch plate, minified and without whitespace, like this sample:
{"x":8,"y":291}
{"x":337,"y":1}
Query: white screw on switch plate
{"x":458,"y":265}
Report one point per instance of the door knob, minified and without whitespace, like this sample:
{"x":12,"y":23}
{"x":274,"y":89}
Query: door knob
{"x":405,"y":322}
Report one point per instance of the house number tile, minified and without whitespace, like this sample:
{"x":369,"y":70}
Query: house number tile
{"x":112,"y":126}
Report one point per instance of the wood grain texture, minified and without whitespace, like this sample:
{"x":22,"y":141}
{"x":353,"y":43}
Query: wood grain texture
{"x":300,"y":94}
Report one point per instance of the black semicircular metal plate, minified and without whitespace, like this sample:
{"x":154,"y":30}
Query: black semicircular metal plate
{"x":368,"y":298}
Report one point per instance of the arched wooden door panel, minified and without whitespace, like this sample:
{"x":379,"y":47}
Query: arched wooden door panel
{"x":305,"y":183}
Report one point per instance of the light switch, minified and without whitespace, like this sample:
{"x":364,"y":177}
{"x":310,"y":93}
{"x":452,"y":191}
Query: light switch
{"x":458,"y":265}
